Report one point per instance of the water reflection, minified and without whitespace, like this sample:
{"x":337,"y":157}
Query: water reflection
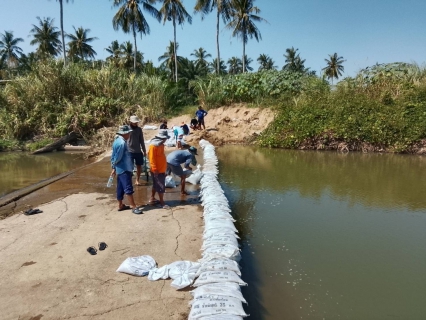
{"x":19,"y":169}
{"x":327,"y":235}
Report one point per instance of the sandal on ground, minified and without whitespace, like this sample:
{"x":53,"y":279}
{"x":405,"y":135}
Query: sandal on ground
{"x":163,"y":207}
{"x":102,"y":246}
{"x":153,"y":202}
{"x":92,"y":250}
{"x":137,"y":211}
{"x":32,"y":211}
{"x":124,"y":207}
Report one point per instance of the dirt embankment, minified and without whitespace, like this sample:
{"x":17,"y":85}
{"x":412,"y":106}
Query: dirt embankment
{"x":237,"y":124}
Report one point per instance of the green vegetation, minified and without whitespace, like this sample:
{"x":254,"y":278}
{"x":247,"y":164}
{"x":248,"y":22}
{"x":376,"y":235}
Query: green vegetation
{"x":383,"y":108}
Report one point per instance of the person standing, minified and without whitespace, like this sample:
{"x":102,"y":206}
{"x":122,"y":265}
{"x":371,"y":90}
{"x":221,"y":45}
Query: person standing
{"x":122,"y":167}
{"x":136,"y":145}
{"x":178,"y":157}
{"x":200,"y":114}
{"x":158,"y":163}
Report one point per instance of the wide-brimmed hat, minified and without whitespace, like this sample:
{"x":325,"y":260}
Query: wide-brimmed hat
{"x":124,"y":129}
{"x":193,"y":150}
{"x":163,"y":134}
{"x":134,"y":119}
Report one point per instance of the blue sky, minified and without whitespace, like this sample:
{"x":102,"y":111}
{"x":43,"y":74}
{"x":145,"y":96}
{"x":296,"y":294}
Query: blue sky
{"x":364,"y":32}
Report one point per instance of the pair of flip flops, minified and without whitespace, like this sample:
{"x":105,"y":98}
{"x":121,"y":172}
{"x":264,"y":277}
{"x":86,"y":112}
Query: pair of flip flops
{"x":135,"y":210}
{"x":30,"y":212}
{"x":93,"y":251}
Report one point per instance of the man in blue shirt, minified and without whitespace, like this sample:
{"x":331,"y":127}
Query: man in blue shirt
{"x":178,"y":157}
{"x":200,"y":114}
{"x":122,"y":167}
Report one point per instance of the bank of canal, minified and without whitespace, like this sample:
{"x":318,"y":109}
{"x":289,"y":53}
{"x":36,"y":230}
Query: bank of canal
{"x":328,"y":235}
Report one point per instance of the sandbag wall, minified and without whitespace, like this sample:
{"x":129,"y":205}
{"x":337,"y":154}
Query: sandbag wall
{"x":218,"y":294}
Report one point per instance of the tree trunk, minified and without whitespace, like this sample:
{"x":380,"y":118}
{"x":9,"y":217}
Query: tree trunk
{"x":174,"y":30}
{"x":217,"y":42}
{"x":244,"y":56}
{"x":136,"y":48}
{"x":57,"y":144}
{"x":62,"y":32}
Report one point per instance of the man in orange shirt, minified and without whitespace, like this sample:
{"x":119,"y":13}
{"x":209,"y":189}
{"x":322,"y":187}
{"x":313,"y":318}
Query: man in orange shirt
{"x":158,"y":164}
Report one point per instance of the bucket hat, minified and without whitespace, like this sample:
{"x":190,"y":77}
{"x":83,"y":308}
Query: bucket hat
{"x":124,"y":129}
{"x":134,"y":119}
{"x":163,"y":134}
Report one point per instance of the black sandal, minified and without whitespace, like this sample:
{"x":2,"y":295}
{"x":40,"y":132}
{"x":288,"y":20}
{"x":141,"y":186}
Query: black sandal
{"x":92,"y":250}
{"x":102,"y":246}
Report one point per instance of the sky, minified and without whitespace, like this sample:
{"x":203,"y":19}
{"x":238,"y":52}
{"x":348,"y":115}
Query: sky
{"x":363,"y":32}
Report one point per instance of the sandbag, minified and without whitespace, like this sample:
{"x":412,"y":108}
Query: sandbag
{"x":170,"y":182}
{"x":219,"y":265}
{"x":137,"y":266}
{"x":218,"y":276}
{"x":216,"y":306}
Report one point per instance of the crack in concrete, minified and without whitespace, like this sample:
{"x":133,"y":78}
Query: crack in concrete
{"x":66,"y":209}
{"x":177,"y":237}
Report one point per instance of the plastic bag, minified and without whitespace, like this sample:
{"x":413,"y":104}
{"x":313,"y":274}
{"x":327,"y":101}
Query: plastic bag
{"x":170,"y":182}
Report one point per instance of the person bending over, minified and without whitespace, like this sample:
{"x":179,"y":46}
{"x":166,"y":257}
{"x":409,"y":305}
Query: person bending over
{"x":178,"y":157}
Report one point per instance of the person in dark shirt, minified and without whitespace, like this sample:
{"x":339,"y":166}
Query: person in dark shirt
{"x":194,"y":124}
{"x":185,"y":128}
{"x":200,"y":114}
{"x":136,"y":146}
{"x":163,"y":124}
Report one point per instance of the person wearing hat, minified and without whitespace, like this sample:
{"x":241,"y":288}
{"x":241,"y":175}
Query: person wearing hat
{"x":178,"y":157}
{"x":136,"y":145}
{"x":158,"y":163}
{"x":122,"y":167}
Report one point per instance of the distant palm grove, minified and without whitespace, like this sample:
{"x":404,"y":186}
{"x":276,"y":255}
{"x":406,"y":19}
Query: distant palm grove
{"x":62,"y":87}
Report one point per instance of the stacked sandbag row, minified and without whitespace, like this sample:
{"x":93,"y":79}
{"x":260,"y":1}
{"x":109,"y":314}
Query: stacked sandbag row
{"x":218,"y":294}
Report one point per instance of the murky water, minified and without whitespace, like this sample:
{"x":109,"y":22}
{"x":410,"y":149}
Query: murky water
{"x":19,"y":169}
{"x":328,"y":235}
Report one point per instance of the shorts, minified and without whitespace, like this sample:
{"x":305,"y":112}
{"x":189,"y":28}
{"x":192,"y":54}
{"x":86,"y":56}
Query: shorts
{"x":124,"y":184}
{"x":177,"y":170}
{"x":137,"y":158}
{"x":201,"y":121}
{"x":159,"y":182}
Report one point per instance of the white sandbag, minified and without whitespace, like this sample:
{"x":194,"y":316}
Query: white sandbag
{"x":221,"y":317}
{"x":220,"y":305}
{"x":147,"y":127}
{"x":218,"y":276}
{"x":220,"y":265}
{"x":209,"y":233}
{"x":183,"y":273}
{"x":170,"y":182}
{"x":228,"y":239}
{"x":196,"y":176}
{"x":216,"y":296}
{"x":227,"y":289}
{"x":219,"y":224}
{"x":137,"y":266}
{"x":221,"y":251}
{"x":222,"y":233}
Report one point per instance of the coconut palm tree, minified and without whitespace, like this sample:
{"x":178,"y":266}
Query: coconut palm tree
{"x":223,"y":8}
{"x":9,"y":50}
{"x":235,"y":65}
{"x":46,"y":37}
{"x":243,"y":15}
{"x":169,"y":58}
{"x":266,"y":62}
{"x":189,"y":70}
{"x":62,"y":28}
{"x":222,"y":66}
{"x":334,"y":67}
{"x":173,"y":10}
{"x":130,"y":18}
{"x":79,"y":44}
{"x":127,"y":56}
{"x":201,"y":55}
{"x":293,"y":62}
{"x":114,"y":51}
